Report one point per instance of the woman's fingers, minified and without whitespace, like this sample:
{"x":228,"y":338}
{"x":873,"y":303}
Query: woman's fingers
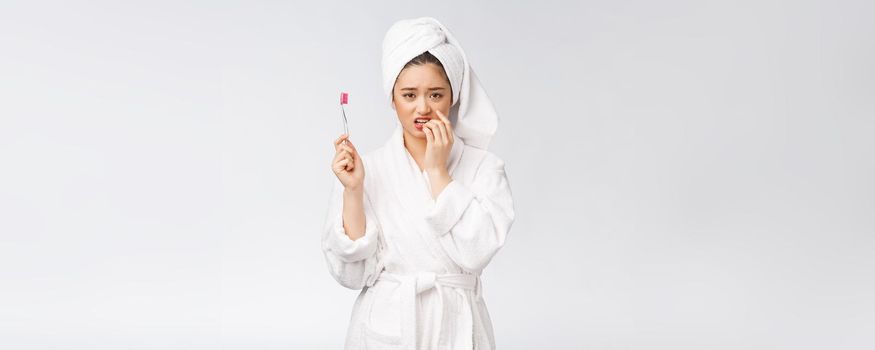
{"x":347,"y":150}
{"x":345,"y":163}
{"x":339,"y":140}
{"x":341,"y":165}
{"x":449,"y":126}
{"x":344,"y":154}
{"x":440,"y":130}
{"x":432,"y":129}
{"x":429,"y":134}
{"x":341,"y":152}
{"x":358,"y":159}
{"x":349,"y":143}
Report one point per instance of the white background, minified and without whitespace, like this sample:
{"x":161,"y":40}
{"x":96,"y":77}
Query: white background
{"x":687,"y":174}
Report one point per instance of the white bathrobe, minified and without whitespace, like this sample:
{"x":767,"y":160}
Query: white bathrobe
{"x":419,"y":262}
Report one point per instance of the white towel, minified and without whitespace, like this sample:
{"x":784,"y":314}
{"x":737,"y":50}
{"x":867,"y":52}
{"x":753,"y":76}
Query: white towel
{"x":473,"y":115}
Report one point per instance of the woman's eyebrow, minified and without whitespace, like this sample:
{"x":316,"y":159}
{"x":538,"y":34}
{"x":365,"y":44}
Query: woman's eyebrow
{"x":434,"y":88}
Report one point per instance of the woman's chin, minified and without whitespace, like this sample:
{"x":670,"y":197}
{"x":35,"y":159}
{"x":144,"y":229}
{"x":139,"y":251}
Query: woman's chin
{"x":416,"y":132}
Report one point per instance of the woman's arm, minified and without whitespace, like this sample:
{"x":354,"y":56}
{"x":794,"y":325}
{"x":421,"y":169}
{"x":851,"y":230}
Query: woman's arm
{"x":352,"y":262}
{"x":350,"y":235}
{"x":472,"y":223}
{"x":353,"y":213}
{"x":350,"y":171}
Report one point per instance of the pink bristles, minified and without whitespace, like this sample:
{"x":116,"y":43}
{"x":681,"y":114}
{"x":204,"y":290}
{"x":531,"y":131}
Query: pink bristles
{"x":344,"y":98}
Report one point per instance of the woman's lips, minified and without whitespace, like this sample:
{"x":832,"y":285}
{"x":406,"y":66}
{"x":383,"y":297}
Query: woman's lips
{"x":419,"y":125}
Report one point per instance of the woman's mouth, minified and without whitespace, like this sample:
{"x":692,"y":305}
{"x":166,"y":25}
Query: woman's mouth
{"x":419,"y":122}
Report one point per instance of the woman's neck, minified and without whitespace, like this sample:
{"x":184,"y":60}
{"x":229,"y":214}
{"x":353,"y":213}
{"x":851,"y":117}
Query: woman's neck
{"x":416,"y":148}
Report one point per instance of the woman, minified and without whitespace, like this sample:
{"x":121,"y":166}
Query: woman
{"x":413,"y":223}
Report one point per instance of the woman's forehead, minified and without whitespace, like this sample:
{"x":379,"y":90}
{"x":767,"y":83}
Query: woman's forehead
{"x":427,"y":76}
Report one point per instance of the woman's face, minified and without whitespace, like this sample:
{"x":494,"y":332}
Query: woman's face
{"x":419,"y":92}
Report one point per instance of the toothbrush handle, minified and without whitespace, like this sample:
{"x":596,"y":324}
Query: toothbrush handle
{"x":345,"y":122}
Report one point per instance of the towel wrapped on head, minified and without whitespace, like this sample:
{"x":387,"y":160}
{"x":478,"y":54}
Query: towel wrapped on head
{"x":472,"y":113}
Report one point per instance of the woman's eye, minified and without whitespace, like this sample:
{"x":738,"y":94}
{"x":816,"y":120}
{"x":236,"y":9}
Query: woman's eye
{"x":408,"y":95}
{"x":436,"y":96}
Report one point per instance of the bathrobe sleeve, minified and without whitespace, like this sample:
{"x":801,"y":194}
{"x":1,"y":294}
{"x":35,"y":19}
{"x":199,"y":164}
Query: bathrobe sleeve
{"x":352,"y":263}
{"x":472,"y":222}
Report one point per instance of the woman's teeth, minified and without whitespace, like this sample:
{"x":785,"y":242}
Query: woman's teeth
{"x":421,"y":121}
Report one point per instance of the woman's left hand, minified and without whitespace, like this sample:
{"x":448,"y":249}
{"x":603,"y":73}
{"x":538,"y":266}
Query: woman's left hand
{"x":439,"y":142}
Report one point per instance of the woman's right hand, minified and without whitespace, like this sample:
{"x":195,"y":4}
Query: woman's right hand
{"x":347,"y":164}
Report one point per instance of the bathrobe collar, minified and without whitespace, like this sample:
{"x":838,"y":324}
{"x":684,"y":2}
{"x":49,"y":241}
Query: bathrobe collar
{"x":414,"y":189}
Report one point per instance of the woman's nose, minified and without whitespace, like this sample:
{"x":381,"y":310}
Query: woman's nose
{"x":422,"y":107}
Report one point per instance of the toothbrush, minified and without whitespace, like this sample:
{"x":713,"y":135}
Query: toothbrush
{"x":344,"y":99}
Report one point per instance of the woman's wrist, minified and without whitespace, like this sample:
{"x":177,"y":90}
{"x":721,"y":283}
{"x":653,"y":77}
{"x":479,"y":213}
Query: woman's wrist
{"x":437,"y":173}
{"x":357,"y":191}
{"x":439,"y":179}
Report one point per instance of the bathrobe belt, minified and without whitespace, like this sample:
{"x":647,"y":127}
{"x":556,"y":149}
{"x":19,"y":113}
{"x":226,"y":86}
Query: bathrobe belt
{"x":412,"y":285}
